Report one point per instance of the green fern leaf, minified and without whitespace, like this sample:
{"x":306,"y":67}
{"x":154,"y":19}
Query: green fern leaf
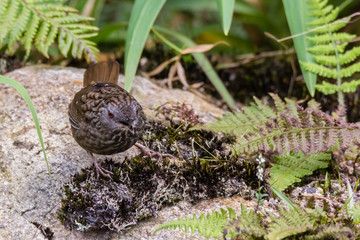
{"x":333,"y":27}
{"x":42,"y":22}
{"x":325,"y":38}
{"x":320,"y":11}
{"x":327,"y":88}
{"x":9,"y":18}
{"x":325,"y":19}
{"x":289,"y":224}
{"x":208,"y":226}
{"x":350,"y":86}
{"x":308,"y":130}
{"x":3,"y":7}
{"x":19,"y":28}
{"x":314,"y":105}
{"x":265,"y":109}
{"x":41,"y":37}
{"x":319,"y":69}
{"x":246,"y":226}
{"x":33,"y":25}
{"x":291,"y":168}
{"x":327,"y":49}
{"x":350,"y":70}
{"x":331,"y":60}
{"x":332,"y":232}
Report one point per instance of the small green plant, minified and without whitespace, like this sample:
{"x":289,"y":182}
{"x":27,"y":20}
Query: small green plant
{"x":40,"y":22}
{"x":352,"y":209}
{"x":332,"y":59}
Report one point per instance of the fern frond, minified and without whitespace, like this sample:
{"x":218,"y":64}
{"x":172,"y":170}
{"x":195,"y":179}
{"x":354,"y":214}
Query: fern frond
{"x":290,"y":223}
{"x":41,"y":22}
{"x":289,"y":168}
{"x":329,"y":49}
{"x":245,"y":226}
{"x":208,"y":226}
{"x":332,"y":232}
{"x":308,"y":130}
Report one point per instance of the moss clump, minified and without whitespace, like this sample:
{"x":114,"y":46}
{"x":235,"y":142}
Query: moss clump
{"x":140,"y":186}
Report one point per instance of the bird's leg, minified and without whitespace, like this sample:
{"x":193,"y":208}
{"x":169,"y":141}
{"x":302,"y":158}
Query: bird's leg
{"x":99,"y":169}
{"x":152,"y":153}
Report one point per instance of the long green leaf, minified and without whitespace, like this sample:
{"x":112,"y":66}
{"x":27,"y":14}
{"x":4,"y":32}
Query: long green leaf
{"x":298,"y":19}
{"x":204,"y":64}
{"x":25,"y":95}
{"x":142,"y":18}
{"x":226,"y":9}
{"x":284,"y":198}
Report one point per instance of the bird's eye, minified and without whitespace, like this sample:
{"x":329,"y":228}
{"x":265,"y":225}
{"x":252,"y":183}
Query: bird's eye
{"x":110,"y":114}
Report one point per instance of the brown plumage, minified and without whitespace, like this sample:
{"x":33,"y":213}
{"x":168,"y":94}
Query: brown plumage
{"x":105,"y":119}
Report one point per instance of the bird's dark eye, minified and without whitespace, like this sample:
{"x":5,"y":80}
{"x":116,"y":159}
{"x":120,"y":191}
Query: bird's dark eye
{"x":110,"y":114}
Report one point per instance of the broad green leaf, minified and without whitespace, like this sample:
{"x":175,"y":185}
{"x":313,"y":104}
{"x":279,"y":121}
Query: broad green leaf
{"x":204,"y":64}
{"x":297,"y":17}
{"x":226,"y":9}
{"x":25,"y":95}
{"x":142,"y":18}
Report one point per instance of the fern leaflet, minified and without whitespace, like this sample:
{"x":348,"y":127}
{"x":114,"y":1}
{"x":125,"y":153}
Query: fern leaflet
{"x":290,"y":168}
{"x":41,"y":22}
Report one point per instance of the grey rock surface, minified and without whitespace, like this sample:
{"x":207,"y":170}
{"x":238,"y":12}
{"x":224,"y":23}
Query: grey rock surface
{"x":29,"y":195}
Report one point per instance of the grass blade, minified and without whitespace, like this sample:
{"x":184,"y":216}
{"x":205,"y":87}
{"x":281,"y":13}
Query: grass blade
{"x":284,"y":198}
{"x":297,"y":19}
{"x":226,"y":9}
{"x":204,"y":64}
{"x":25,"y":95}
{"x":142,"y":17}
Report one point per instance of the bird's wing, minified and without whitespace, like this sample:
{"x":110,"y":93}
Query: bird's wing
{"x":72,"y":117}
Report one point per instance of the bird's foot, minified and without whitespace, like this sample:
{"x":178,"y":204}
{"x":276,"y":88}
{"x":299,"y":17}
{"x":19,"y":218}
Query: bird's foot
{"x":146,"y":151}
{"x":100,"y":170}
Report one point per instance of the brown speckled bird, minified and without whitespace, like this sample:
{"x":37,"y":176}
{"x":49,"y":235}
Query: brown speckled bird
{"x":105,"y":119}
